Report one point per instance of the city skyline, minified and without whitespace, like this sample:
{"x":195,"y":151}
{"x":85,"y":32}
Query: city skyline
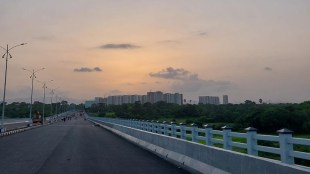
{"x":149,"y":97}
{"x":247,"y":50}
{"x":156,"y":96}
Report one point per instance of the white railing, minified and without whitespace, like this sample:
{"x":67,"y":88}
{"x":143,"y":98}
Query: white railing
{"x":224,"y":138}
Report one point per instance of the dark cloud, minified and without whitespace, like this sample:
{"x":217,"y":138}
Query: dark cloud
{"x":190,"y":82}
{"x":268,"y":69}
{"x":171,"y":73}
{"x":203,"y":33}
{"x":119,"y":46}
{"x":85,"y":69}
{"x":97,"y":69}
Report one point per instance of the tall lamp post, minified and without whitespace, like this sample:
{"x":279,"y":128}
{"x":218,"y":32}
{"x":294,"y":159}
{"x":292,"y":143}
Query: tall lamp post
{"x":56,"y":107}
{"x":44,"y":87}
{"x":6,"y":55}
{"x":32,"y":76}
{"x":65,"y":103}
{"x":59,"y":109}
{"x":52,"y":94}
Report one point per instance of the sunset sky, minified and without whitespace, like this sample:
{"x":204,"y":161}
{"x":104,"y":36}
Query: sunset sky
{"x":245,"y":49}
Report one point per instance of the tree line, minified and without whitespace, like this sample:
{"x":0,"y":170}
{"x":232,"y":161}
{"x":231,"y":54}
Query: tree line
{"x":22,"y":109}
{"x":267,"y":118}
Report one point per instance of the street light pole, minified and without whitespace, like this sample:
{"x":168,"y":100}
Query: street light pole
{"x":6,"y":55}
{"x":32,"y":76}
{"x":56,"y":107}
{"x":59,"y":109}
{"x":44,"y":87}
{"x":52,"y":93}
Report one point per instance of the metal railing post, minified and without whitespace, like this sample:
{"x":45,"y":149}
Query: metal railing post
{"x":251,"y":141}
{"x":157,"y":127}
{"x":173,"y":129}
{"x":208,"y":129}
{"x":227,"y":137}
{"x":143,"y":125}
{"x":194,"y":132}
{"x":182,"y":131}
{"x":149,"y":126}
{"x":165,"y":128}
{"x":285,"y":146}
{"x":153,"y":126}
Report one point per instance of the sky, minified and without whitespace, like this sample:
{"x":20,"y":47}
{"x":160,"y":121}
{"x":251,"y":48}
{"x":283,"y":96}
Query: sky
{"x":95,"y":48}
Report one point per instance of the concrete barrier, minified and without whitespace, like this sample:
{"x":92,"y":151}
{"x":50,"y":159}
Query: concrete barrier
{"x":199,"y":158}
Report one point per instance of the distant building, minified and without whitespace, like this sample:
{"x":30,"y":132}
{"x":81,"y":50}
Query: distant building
{"x":99,"y":100}
{"x":173,"y":98}
{"x":214,"y":100}
{"x":135,"y":98}
{"x":152,"y":97}
{"x":143,"y":99}
{"x":225,"y":99}
{"x":89,"y":103}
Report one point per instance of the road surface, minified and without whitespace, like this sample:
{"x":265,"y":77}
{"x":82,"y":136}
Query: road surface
{"x":77,"y":147}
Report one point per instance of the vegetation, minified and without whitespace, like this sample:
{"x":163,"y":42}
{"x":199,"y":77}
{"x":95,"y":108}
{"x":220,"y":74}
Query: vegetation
{"x":267,"y":118}
{"x":21,"y":110}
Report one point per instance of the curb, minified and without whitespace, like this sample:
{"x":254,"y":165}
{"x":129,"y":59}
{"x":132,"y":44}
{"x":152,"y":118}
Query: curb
{"x":15,"y":131}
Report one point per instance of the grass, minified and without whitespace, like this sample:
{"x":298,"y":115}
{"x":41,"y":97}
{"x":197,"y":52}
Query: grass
{"x":302,"y":148}
{"x":301,"y":136}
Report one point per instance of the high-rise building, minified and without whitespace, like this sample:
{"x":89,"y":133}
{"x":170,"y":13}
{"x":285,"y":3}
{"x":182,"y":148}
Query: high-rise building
{"x":143,"y":99}
{"x":89,"y":103}
{"x":215,"y":100}
{"x":99,"y":100}
{"x":154,"y":97}
{"x":173,"y":98}
{"x":225,"y":99}
{"x":178,"y":98}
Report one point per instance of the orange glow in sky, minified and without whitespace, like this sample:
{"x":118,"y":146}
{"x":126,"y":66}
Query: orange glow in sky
{"x":245,"y":49}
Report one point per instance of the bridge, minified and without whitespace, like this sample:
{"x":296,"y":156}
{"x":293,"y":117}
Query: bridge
{"x":76,"y":146}
{"x":105,"y":145}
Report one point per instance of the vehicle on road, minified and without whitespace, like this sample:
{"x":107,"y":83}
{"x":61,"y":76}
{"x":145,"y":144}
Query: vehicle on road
{"x":37,"y":118}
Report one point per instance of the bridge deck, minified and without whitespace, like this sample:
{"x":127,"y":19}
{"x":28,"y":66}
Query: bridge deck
{"x":76,"y":147}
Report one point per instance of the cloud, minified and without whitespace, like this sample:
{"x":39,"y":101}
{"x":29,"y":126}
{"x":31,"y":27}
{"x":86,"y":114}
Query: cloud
{"x":203,"y":33}
{"x":97,"y":69}
{"x":268,"y":69}
{"x":119,"y":46}
{"x":85,"y":69}
{"x":171,"y":73}
{"x":186,"y":81}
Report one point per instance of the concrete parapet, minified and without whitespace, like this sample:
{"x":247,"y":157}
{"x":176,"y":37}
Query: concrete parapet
{"x":199,"y":158}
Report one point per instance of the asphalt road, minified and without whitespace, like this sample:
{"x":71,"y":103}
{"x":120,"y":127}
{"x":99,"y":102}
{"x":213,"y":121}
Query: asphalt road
{"x":77,"y":147}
